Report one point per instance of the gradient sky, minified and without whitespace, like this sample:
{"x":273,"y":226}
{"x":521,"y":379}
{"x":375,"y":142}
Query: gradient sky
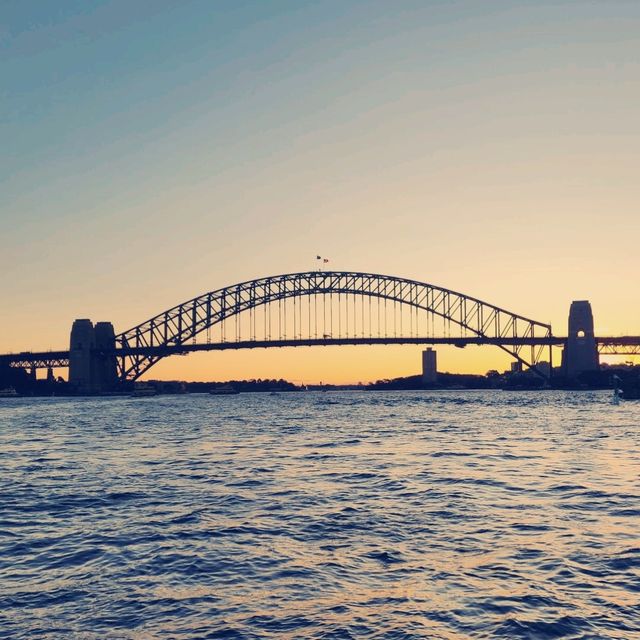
{"x":153,"y":151}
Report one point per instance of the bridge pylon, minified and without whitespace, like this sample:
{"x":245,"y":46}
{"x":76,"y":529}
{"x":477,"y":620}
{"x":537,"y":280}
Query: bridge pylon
{"x":581,"y":351}
{"x":91,"y":368}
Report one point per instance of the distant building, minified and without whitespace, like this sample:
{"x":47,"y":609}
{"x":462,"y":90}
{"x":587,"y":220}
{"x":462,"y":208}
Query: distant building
{"x":544,"y":368}
{"x":429,"y":366}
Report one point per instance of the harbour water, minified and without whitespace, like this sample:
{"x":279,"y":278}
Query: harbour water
{"x":321,"y":515}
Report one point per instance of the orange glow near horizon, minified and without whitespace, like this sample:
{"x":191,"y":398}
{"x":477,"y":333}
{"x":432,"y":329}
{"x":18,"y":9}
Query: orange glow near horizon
{"x":329,"y":364}
{"x":489,"y":152}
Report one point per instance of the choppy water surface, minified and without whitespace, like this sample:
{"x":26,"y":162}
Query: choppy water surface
{"x":321,"y":515}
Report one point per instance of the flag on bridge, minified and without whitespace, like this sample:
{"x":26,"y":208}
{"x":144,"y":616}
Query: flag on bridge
{"x":322,"y":261}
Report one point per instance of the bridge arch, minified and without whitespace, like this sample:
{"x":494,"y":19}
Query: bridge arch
{"x":146,"y":343}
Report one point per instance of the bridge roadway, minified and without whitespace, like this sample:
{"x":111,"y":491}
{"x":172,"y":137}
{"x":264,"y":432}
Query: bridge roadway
{"x":621,"y":345}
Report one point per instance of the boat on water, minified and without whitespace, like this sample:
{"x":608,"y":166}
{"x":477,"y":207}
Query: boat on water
{"x":143,"y":390}
{"x":224,"y":390}
{"x":9,"y":392}
{"x":627,"y":388}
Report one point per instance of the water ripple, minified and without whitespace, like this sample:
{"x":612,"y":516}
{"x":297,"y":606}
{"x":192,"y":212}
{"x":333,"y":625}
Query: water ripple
{"x":389,"y":515}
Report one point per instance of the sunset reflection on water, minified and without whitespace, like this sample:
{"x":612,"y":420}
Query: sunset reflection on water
{"x":433,"y":514}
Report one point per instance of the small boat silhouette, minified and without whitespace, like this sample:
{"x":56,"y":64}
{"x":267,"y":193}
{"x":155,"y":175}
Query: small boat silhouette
{"x":224,"y":390}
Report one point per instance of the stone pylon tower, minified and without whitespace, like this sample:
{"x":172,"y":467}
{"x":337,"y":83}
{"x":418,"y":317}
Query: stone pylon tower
{"x":105,"y":374}
{"x":81,"y":346}
{"x":581,"y":352}
{"x":91,"y":370}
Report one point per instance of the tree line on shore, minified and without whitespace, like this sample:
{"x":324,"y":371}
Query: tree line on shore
{"x":24,"y":384}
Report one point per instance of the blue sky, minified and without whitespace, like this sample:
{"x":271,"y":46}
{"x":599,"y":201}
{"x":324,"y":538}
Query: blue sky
{"x":156,"y":150}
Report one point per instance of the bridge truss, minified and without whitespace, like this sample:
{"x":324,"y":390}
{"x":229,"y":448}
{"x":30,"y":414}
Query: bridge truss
{"x":328,"y":307}
{"x":620,"y":346}
{"x":325,"y":308}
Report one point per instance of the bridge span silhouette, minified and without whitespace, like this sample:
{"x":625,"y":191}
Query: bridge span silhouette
{"x":322,"y":308}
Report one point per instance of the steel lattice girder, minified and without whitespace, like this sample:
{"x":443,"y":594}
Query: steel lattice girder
{"x":172,"y":328}
{"x":43,"y":360}
{"x":619,"y":347}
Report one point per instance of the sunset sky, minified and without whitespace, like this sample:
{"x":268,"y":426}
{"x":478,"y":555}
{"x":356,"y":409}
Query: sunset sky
{"x":153,"y":151}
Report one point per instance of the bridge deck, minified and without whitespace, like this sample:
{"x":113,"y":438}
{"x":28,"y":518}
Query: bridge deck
{"x":625,"y":345}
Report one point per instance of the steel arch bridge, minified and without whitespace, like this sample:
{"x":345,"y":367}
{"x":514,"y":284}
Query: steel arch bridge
{"x":328,"y":307}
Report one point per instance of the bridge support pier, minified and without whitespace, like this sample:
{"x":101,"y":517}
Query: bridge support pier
{"x":104,"y":365}
{"x":581,"y":351}
{"x":90,"y":369}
